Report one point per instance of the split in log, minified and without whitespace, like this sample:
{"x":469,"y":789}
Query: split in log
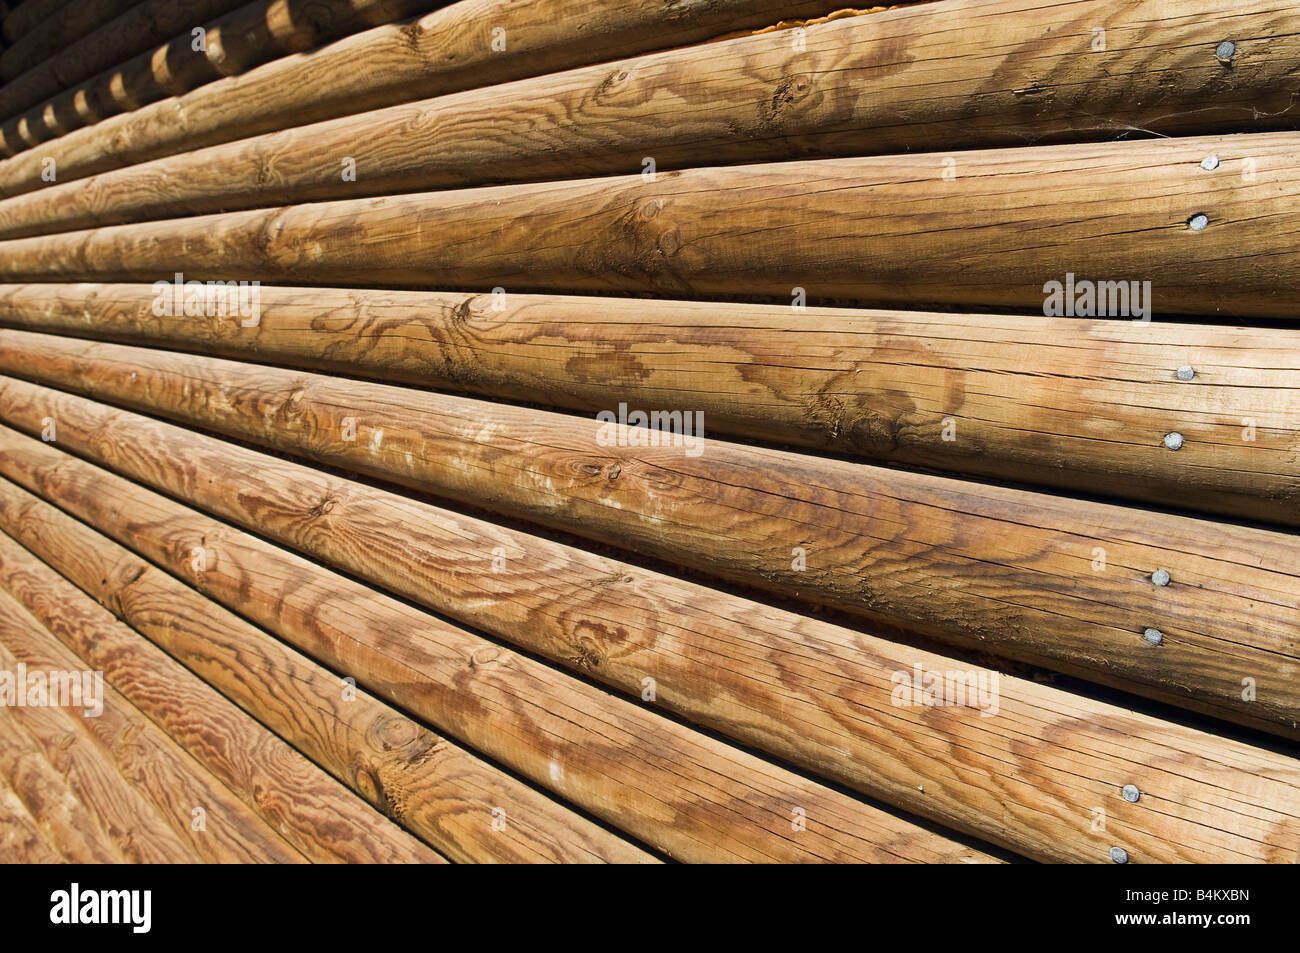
{"x":853,"y":91}
{"x":816,"y":694}
{"x":882,"y":230}
{"x":1071,"y":403}
{"x":1064,"y":583}
{"x":435,"y":788}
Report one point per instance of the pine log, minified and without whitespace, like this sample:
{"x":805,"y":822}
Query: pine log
{"x":729,"y":664}
{"x":318,"y":817}
{"x":447,"y":50}
{"x":1064,"y":402}
{"x":63,"y":819}
{"x":245,"y":38}
{"x":432,"y":786}
{"x":21,"y":838}
{"x":687,"y":794}
{"x":751,"y":100}
{"x":884,"y":230}
{"x":227,"y":831}
{"x":1063,"y":583}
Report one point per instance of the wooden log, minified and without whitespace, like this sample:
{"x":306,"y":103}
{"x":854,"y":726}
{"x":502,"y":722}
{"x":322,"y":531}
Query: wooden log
{"x":53,"y":26}
{"x":1063,"y":583}
{"x":882,"y":230}
{"x":92,"y":771}
{"x":245,"y":38}
{"x":434,"y":787}
{"x":1063,"y":402}
{"x":322,"y":821}
{"x":141,"y":27}
{"x":447,"y":50}
{"x":737,"y":667}
{"x":21,"y":838}
{"x":63,"y":819}
{"x":689,"y":795}
{"x":196,"y":805}
{"x":25,"y":17}
{"x":681,"y":108}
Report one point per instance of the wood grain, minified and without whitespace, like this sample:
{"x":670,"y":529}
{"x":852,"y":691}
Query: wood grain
{"x":21,"y":838}
{"x":153,"y":763}
{"x":432,"y":786}
{"x":240,"y":40}
{"x":877,"y":230}
{"x":309,"y":809}
{"x":1064,"y":402}
{"x":22,"y":18}
{"x":48,"y":27}
{"x":816,"y":694}
{"x":854,"y":90}
{"x":90,"y":764}
{"x":444,"y":51}
{"x":687,"y":794}
{"x":1063,"y":583}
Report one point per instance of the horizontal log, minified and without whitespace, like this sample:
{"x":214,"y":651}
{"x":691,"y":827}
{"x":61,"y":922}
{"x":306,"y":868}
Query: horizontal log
{"x":882,"y":230}
{"x":181,"y":790}
{"x":434,"y":787}
{"x":92,"y":769}
{"x":689,"y":795}
{"x":65,"y":822}
{"x":1063,"y":583}
{"x":729,"y":664}
{"x":139,"y":28}
{"x":21,"y":838}
{"x":750,"y":100}
{"x":318,"y":817}
{"x":245,"y":38}
{"x":447,"y":50}
{"x":1064,"y":402}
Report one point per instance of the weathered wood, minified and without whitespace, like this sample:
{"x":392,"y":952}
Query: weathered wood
{"x":245,"y":38}
{"x":64,"y":821}
{"x":152,"y":763}
{"x":1064,"y":583}
{"x":69,"y":743}
{"x":816,"y":694}
{"x":883,"y":230}
{"x":691,"y":796}
{"x":21,"y":839}
{"x":310,"y":810}
{"x":852,"y":91}
{"x":434,"y":787}
{"x":142,"y":26}
{"x":1064,"y":402}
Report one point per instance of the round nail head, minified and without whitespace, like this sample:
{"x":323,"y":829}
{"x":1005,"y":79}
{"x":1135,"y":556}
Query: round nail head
{"x":1130,"y":793}
{"x":1173,"y":441}
{"x":1210,"y":163}
{"x":1198,"y":222}
{"x":1186,"y":372}
{"x":1153,"y":636}
{"x":1119,"y":855}
{"x":1160,"y":577}
{"x":1225,"y":51}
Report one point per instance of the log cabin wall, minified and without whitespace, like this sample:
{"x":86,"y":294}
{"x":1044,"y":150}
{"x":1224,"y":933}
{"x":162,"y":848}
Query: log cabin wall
{"x":569,"y":431}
